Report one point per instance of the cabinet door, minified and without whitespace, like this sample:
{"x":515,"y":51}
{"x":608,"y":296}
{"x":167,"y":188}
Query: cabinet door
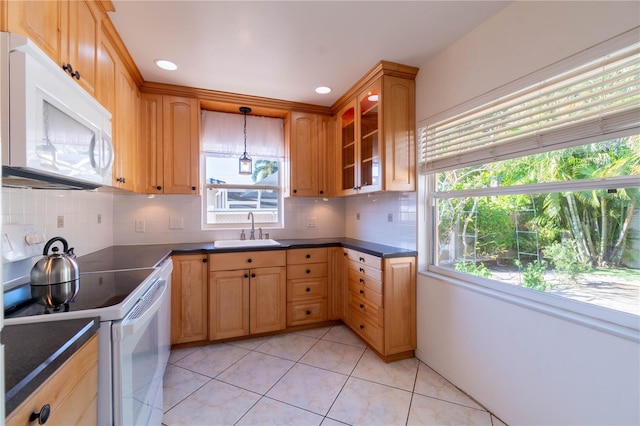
{"x":337,"y":293}
{"x":229,"y":302}
{"x":189,"y":314}
{"x":39,"y":21}
{"x":368,"y":134}
{"x":151,"y":151}
{"x":125,"y":124}
{"x":106,"y":75}
{"x":181,"y":120}
{"x":304,"y":154}
{"x":399,"y":134}
{"x":348,"y":167}
{"x":268,"y":300}
{"x":399,"y":305}
{"x":81,"y":33}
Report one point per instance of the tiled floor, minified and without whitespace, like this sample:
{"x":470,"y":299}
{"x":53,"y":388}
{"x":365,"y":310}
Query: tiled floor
{"x":322,"y":376}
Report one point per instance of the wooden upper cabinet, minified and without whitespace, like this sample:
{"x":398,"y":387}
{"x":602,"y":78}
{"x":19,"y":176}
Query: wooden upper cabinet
{"x":170,"y":144}
{"x":39,"y":21}
{"x":106,"y":74}
{"x":376,"y":138}
{"x":81,"y":35}
{"x":67,"y":31}
{"x":125,"y":125}
{"x":308,"y":136}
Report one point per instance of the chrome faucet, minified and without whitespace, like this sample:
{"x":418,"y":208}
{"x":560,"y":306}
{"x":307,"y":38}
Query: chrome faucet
{"x":252,"y":235}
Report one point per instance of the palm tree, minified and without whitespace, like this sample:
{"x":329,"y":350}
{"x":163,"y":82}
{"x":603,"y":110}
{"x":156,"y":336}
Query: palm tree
{"x":263,"y":169}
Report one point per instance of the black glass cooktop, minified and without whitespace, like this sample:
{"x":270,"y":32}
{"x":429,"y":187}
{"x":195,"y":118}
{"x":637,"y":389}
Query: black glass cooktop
{"x":96,"y":290}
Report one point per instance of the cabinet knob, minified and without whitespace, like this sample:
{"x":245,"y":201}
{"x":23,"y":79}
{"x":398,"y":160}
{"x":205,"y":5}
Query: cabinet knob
{"x":253,"y":275}
{"x":159,"y":188}
{"x":295,"y":191}
{"x":361,"y":306}
{"x":321,"y":192}
{"x":362,"y":292}
{"x":193,"y":188}
{"x":308,"y":289}
{"x":68,"y":68}
{"x":246,"y":275}
{"x":308,"y":271}
{"x":308,"y":312}
{"x":204,"y":260}
{"x":308,"y":256}
{"x":361,"y":326}
{"x":249,"y":260}
{"x":355,"y":188}
{"x":41,"y":416}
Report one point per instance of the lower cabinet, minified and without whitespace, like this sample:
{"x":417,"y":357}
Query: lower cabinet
{"x":189,"y":311}
{"x":247,"y":293}
{"x":307,"y":273}
{"x":382,"y":302}
{"x":71,"y":392}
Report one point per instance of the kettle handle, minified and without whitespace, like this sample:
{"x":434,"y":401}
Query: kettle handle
{"x":65,"y":245}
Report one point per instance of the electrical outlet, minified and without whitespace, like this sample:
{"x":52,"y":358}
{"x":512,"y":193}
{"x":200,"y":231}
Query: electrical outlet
{"x":389,"y":217}
{"x":99,"y":218}
{"x":176,"y":223}
{"x":140,"y":225}
{"x":60,"y":221}
{"x":311,"y":222}
{"x":357,"y":216}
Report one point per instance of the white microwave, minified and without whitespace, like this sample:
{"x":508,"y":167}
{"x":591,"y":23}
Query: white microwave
{"x":59,"y":135}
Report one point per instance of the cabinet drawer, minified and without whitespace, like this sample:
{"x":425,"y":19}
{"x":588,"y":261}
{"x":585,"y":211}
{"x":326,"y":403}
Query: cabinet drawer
{"x":246,"y":260}
{"x":304,"y":289}
{"x":307,"y":255}
{"x":363,"y":269}
{"x":372,"y":312}
{"x":306,"y":312}
{"x":370,"y":295}
{"x":366,"y":281}
{"x":364,"y":258}
{"x":370,"y":332}
{"x":307,"y":271}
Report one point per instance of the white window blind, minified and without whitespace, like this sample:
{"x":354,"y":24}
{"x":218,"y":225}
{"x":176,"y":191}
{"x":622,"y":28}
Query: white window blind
{"x":596,"y":101}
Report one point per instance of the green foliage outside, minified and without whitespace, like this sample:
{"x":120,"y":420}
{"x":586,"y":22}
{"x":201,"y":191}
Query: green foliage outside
{"x":532,"y":275}
{"x":473,"y":268}
{"x":565,"y":258}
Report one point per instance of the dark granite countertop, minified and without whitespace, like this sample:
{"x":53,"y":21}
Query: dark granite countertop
{"x":32,"y":352}
{"x":150,"y":255}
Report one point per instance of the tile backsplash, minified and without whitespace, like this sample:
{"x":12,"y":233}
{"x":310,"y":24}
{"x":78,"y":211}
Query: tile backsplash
{"x":87,"y":216}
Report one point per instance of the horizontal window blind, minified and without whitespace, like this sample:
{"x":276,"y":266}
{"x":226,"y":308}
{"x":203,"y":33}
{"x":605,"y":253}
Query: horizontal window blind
{"x":596,"y":101}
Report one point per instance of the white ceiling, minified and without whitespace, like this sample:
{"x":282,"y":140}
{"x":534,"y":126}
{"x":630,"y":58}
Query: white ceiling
{"x":284,"y":49}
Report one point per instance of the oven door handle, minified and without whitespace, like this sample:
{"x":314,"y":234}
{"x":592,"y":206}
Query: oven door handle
{"x":143,"y":311}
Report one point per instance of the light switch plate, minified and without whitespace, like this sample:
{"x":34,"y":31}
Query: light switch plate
{"x":140,"y":225}
{"x":176,"y":223}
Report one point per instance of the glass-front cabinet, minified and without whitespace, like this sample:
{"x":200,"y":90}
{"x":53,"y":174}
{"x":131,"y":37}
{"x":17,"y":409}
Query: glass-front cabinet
{"x":376,"y":138}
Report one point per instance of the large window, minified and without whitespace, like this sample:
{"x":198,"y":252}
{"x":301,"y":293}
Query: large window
{"x":228,"y":195}
{"x":541,"y":189}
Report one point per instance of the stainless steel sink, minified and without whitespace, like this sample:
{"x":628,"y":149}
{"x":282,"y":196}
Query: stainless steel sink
{"x":244,"y":243}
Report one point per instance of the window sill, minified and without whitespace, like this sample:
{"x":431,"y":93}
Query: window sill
{"x":613,"y":322}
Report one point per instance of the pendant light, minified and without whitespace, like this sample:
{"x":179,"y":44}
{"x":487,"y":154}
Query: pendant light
{"x":245,"y":165}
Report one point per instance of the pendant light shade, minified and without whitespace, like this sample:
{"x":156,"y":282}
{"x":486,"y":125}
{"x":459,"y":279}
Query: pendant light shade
{"x":245,"y":164}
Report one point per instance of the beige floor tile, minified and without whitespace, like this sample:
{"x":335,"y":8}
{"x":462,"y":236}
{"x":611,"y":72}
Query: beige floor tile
{"x":178,"y":354}
{"x":310,"y":388}
{"x":430,"y":383}
{"x":316,"y":333}
{"x":365,"y":403}
{"x":330,"y":422}
{"x":250,"y":344}
{"x":399,"y":374}
{"x":430,"y":411}
{"x":342,"y":334}
{"x":216,"y":403}
{"x":178,"y":384}
{"x":291,"y":346}
{"x":212,"y":360}
{"x":256,"y":372}
{"x":496,"y":421}
{"x":270,"y":412}
{"x":333,"y":356}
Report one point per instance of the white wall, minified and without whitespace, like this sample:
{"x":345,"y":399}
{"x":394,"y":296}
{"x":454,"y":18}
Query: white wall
{"x":526,"y":366}
{"x":155,"y":212}
{"x":80,"y":210}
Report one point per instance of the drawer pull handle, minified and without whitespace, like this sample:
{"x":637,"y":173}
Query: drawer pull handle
{"x":308,"y":256}
{"x":361,"y":326}
{"x":308,"y":312}
{"x":308,"y":289}
{"x":308,"y":271}
{"x":362,"y":292}
{"x":362,"y":270}
{"x":361,"y":306}
{"x":41,"y":416}
{"x":249,"y":260}
{"x":362,"y":259}
{"x":361,"y":280}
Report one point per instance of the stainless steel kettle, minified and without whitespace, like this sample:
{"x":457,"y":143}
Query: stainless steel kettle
{"x":55,"y":278}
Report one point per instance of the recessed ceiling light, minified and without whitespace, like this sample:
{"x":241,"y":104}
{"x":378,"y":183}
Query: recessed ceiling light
{"x":166,"y":65}
{"x":323,"y":90}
